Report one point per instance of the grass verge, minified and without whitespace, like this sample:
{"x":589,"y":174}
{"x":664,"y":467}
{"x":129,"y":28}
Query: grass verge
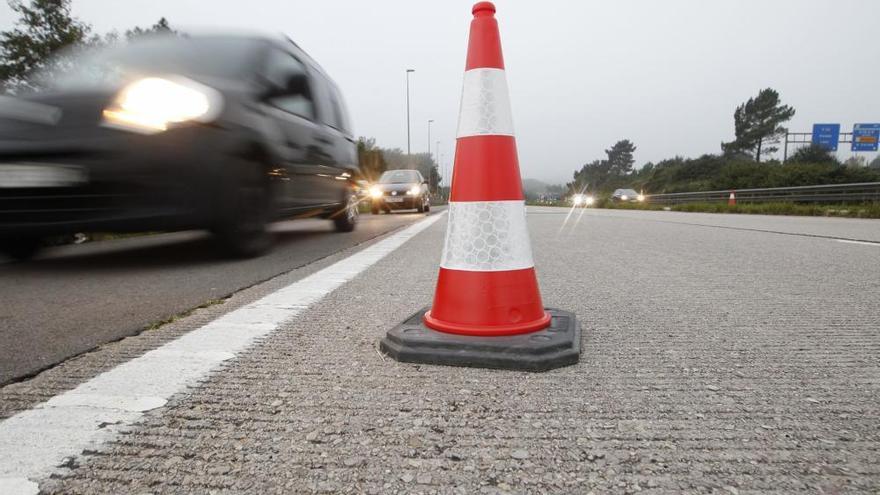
{"x":862,"y":210}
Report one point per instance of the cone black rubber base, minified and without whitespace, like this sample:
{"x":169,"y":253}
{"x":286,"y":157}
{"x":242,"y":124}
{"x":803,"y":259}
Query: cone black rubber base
{"x":556,"y":346}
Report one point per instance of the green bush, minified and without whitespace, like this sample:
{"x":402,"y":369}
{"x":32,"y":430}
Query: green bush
{"x":713,"y":172}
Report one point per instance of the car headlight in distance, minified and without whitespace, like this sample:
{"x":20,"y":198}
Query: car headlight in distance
{"x":589,"y":201}
{"x":577,"y":199}
{"x":640,"y":197}
{"x":151,"y":104}
{"x":375,"y":192}
{"x":414,"y":190}
{"x":624,"y":197}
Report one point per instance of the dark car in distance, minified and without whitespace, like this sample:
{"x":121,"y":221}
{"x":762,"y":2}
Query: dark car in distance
{"x":626,"y":196}
{"x":400,"y":190}
{"x":226,"y":133}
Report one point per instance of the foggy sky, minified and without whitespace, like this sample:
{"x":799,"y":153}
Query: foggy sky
{"x":582,"y":74}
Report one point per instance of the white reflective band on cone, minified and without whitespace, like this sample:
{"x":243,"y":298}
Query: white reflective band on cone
{"x":485,"y":104}
{"x":487,"y":236}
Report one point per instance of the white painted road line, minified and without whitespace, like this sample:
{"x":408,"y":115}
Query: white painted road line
{"x":864,"y":243}
{"x":34,"y":442}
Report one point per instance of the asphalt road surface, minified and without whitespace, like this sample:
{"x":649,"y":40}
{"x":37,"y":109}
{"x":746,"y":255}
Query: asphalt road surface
{"x":74,"y":298}
{"x":721,"y":354}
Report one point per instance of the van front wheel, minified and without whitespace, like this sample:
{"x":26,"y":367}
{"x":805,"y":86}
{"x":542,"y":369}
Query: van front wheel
{"x":243,"y":225}
{"x":346,"y":219}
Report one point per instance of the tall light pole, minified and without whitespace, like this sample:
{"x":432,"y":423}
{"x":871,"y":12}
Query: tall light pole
{"x":408,"y":151}
{"x":447,"y":171}
{"x":431,"y":170}
{"x":439,"y":166}
{"x":430,"y":121}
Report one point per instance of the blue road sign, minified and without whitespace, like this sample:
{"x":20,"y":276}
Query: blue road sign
{"x":865,"y":137}
{"x":826,"y":135}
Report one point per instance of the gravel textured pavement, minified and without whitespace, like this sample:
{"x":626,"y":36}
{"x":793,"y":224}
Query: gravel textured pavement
{"x":714,"y":361}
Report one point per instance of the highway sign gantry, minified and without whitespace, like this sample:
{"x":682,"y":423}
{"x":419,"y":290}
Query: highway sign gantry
{"x":826,"y":136}
{"x":865,"y":137}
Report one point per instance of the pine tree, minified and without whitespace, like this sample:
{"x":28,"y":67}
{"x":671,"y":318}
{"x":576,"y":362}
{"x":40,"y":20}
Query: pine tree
{"x":44,"y":27}
{"x":620,"y":157}
{"x":758,"y":125}
{"x":161,"y":27}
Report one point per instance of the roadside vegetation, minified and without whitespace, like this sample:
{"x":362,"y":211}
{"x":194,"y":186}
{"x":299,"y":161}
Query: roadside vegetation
{"x":806,"y":167}
{"x":43,"y":30}
{"x":741,"y":164}
{"x":855,"y":210}
{"x":859,"y":210}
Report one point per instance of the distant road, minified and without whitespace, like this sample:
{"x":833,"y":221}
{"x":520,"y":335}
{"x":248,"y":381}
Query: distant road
{"x":831,"y":227}
{"x":74,"y":298}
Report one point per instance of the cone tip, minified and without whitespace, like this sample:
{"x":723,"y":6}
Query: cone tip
{"x":484,"y":8}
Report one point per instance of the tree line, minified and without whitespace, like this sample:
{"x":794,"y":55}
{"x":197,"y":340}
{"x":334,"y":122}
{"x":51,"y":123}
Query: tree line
{"x":759,"y":126}
{"x":44,"y":29}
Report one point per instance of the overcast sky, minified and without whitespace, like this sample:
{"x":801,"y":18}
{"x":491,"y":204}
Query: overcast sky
{"x":582,"y":73}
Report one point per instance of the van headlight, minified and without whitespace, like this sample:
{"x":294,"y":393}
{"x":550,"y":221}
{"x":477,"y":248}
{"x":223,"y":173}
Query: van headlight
{"x":151,"y":104}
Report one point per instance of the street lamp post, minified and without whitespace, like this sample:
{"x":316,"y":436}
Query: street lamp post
{"x":431,"y":170}
{"x":447,"y":171}
{"x":408,"y":151}
{"x":430,"y":121}
{"x":450,"y":170}
{"x":439,"y":166}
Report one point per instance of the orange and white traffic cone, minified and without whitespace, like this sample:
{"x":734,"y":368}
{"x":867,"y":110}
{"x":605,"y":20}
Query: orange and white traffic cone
{"x":487,"y":309}
{"x":731,"y":201}
{"x":487,"y":283}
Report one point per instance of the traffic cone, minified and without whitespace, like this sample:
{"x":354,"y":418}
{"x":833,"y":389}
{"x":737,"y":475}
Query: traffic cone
{"x":487,"y":283}
{"x":487,"y":309}
{"x":731,"y":201}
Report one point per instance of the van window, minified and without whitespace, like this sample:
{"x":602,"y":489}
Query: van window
{"x":328,"y":114}
{"x":339,"y":112}
{"x":280,"y":68}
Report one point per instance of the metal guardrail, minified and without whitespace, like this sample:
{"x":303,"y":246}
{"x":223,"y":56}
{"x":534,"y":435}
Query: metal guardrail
{"x":831,"y":193}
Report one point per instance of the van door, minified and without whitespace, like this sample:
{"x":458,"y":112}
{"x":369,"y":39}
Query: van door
{"x":337,"y":145}
{"x":292,"y":106}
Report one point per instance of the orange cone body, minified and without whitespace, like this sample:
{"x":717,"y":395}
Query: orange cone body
{"x":487,"y":284}
{"x":732,"y":200}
